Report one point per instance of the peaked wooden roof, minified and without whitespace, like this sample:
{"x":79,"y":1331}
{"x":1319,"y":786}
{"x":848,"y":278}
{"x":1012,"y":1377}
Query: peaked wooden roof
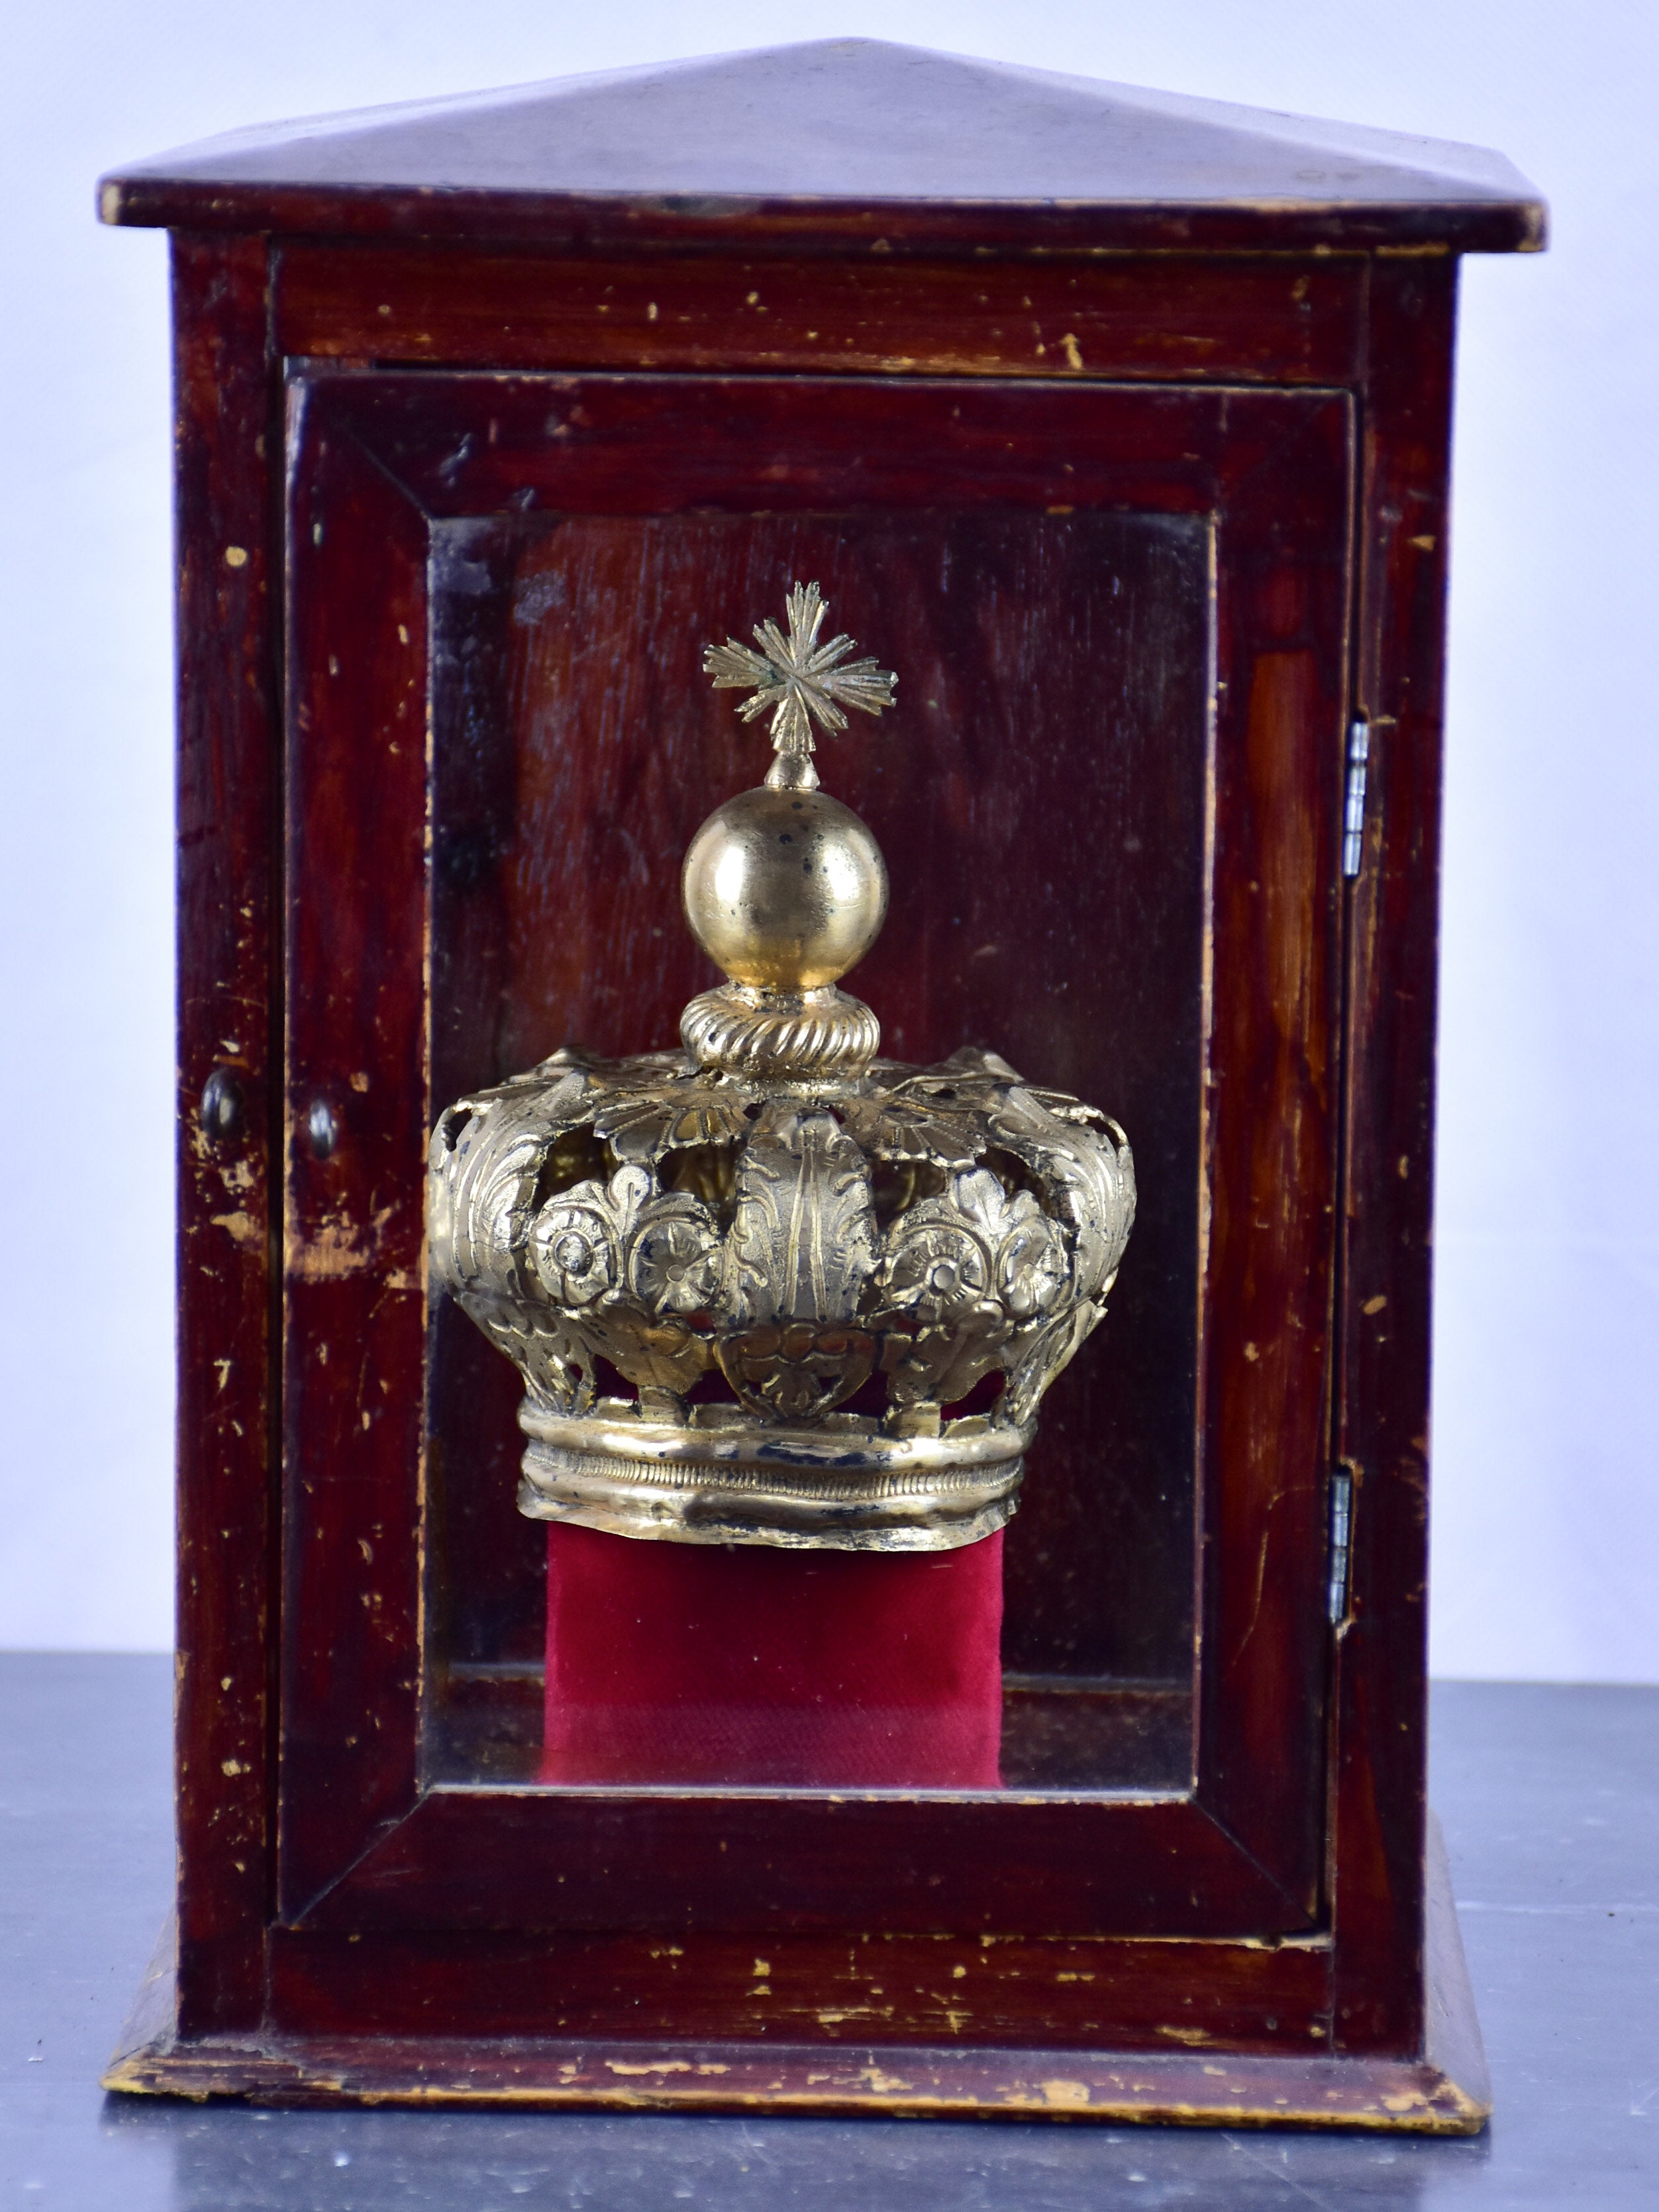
{"x":842,"y":142}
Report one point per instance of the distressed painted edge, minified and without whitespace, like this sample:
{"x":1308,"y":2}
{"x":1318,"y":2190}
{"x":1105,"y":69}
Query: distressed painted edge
{"x":1443,"y":2092}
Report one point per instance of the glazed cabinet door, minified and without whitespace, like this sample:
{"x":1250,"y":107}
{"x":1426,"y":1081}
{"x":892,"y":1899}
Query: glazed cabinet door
{"x":1110,"y":803}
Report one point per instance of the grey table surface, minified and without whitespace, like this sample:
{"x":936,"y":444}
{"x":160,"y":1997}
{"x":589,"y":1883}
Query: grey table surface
{"x":1550,"y":1798}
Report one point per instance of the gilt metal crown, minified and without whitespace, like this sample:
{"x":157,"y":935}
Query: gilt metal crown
{"x":837,"y":1286}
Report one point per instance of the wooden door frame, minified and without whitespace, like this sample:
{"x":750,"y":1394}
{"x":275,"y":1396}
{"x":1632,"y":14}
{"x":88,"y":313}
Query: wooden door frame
{"x":365,"y":1844}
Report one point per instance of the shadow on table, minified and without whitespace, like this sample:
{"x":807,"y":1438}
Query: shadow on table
{"x":229,"y":2159}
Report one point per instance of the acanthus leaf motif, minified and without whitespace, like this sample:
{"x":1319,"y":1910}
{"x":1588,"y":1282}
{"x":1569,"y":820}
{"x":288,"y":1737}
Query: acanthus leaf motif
{"x":764,"y":1257}
{"x":803,"y":1241}
{"x":896,"y":1127}
{"x":672,"y":1115}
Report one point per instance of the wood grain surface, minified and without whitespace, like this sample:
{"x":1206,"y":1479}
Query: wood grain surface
{"x":1383,"y":1427}
{"x":227,"y":525}
{"x":1216,"y":320}
{"x":354,"y":1304}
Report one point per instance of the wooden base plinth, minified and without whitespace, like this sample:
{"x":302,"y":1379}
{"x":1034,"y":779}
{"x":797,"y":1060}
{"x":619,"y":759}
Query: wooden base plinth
{"x":1444,"y":2092}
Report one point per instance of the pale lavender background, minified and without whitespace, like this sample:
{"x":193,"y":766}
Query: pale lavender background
{"x":1547,"y":1545}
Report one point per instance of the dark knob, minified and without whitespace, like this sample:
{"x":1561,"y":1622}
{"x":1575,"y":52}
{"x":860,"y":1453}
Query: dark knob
{"x":222,"y":1105}
{"x":322,"y":1128}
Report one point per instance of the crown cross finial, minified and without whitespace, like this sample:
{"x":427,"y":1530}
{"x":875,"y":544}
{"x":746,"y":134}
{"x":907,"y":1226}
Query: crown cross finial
{"x":801,"y":680}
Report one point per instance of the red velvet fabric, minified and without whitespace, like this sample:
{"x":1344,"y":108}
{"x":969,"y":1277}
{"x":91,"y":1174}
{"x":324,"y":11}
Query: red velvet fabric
{"x":747,"y":1663}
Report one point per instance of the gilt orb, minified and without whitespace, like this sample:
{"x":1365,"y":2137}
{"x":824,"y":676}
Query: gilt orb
{"x":785,"y":889}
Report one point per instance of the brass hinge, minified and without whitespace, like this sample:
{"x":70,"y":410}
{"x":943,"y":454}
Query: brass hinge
{"x":1336,"y":1593}
{"x":1353,"y":809}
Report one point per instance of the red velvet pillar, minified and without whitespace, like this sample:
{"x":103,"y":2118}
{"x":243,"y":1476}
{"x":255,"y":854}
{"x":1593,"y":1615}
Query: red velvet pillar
{"x":734,"y":1663}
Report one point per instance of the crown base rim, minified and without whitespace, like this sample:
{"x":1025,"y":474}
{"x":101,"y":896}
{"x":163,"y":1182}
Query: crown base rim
{"x":846,"y":1492}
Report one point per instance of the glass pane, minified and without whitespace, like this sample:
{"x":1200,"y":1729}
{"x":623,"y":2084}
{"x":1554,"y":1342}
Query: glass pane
{"x":1040,"y":795}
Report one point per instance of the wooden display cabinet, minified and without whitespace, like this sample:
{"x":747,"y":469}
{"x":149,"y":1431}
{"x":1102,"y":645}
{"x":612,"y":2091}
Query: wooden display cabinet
{"x":1119,"y":425}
